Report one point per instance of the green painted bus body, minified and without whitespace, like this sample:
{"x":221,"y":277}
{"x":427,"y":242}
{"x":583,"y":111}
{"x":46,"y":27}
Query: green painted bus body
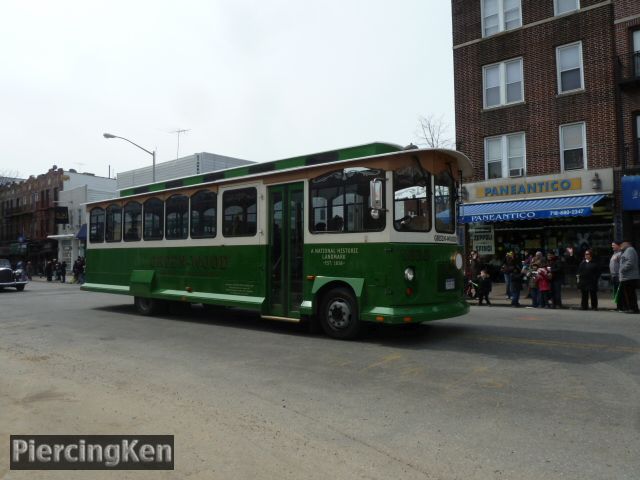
{"x":237,"y":276}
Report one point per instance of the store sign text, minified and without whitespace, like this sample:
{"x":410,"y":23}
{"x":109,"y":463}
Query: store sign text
{"x":525,"y":188}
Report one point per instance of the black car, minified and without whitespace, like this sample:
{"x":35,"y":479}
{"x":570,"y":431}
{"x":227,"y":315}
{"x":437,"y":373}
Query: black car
{"x":10,"y":277}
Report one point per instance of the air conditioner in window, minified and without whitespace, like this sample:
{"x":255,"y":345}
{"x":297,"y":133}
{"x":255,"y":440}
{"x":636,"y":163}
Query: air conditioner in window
{"x":516,"y":172}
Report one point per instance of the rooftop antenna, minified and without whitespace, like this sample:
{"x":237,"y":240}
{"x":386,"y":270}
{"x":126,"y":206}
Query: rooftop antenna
{"x":179,"y":131}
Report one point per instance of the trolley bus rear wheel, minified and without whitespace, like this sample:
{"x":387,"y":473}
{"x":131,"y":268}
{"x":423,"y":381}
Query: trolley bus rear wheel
{"x":339,"y":314}
{"x":148,"y":306}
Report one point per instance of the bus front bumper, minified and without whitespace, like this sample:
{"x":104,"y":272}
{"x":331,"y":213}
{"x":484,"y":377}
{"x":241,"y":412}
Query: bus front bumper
{"x":415,"y":313}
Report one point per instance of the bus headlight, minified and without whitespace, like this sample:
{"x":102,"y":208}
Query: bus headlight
{"x":409,"y":274}
{"x":457,"y":259}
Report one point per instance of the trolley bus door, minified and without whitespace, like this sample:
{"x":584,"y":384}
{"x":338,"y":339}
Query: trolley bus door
{"x":284,"y":286}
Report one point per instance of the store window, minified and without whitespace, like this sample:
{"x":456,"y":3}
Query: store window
{"x":503,"y":83}
{"x":500,"y":15}
{"x":565,"y":6}
{"x":569,"y":65}
{"x":505,"y":156}
{"x":573,"y":146}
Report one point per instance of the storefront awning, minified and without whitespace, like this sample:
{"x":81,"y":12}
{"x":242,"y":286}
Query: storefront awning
{"x":553,"y":207}
{"x":82,"y":233}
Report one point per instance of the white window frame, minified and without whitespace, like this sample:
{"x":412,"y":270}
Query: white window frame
{"x":556,"y":12}
{"x":503,"y":83}
{"x":504,"y":146}
{"x":559,"y":73}
{"x":501,"y":19}
{"x":584,"y":145}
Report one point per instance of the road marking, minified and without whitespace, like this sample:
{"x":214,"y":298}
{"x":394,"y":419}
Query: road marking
{"x":555,"y":343}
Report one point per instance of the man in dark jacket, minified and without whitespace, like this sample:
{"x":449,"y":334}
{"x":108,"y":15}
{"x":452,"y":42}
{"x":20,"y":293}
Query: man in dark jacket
{"x":587,"y":278}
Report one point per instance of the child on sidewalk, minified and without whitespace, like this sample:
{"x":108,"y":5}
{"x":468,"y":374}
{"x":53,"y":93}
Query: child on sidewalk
{"x":484,"y":287}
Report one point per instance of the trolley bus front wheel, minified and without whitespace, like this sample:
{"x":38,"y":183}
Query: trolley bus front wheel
{"x":339,"y":314}
{"x":148,"y":306}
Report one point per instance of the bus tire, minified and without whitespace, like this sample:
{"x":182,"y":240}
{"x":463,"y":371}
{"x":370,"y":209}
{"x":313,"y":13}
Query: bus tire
{"x":339,"y":315}
{"x":148,"y":306}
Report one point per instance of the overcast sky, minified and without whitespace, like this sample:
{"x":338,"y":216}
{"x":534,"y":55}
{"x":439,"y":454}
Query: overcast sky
{"x":253,"y":79}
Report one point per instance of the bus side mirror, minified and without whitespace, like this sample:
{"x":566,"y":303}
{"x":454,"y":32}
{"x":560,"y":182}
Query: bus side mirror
{"x":375,"y":197}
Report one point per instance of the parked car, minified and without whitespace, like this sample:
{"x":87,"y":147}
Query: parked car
{"x":11,"y":278}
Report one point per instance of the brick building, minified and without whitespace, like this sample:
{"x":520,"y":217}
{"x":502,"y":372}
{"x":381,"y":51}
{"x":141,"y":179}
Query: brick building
{"x":28,"y":225}
{"x":547,"y":96}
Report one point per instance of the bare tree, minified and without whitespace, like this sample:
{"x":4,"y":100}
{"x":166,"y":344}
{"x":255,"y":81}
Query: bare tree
{"x":433,"y":132}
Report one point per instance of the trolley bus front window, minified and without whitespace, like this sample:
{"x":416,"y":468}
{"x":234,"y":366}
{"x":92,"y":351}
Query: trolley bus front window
{"x":411,"y":199}
{"x":444,"y":197}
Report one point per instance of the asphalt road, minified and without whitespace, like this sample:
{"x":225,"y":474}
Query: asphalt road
{"x":498,"y":394}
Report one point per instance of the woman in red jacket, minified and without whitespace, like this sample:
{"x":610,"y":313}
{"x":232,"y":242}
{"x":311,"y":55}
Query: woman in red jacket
{"x":543,"y":280}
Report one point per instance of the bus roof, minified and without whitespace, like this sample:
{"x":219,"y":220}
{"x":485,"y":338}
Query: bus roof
{"x":348,"y":153}
{"x":361,"y":152}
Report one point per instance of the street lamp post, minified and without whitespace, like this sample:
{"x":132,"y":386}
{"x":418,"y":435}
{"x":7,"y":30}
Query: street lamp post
{"x":153,"y":154}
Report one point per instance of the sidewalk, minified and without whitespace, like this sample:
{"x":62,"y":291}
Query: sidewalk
{"x":571,"y":298}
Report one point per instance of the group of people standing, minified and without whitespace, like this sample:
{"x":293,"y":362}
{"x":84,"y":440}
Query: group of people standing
{"x":544,"y":276}
{"x":53,"y":268}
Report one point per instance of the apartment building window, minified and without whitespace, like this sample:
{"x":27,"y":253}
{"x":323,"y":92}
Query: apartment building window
{"x":636,"y":136}
{"x":564,"y":6}
{"x":636,"y":53}
{"x":569,"y":63}
{"x":573,"y":146}
{"x":500,"y":15}
{"x":505,"y":156}
{"x":503,"y":83}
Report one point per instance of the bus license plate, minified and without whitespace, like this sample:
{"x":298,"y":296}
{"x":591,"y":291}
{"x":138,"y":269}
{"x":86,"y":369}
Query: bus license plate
{"x":450,"y":284}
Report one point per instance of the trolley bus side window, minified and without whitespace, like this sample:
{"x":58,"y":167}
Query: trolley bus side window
{"x":113,"y":232}
{"x":239,"y":207}
{"x":153,"y":219}
{"x":132,"y":221}
{"x":444,"y":198}
{"x":96,"y":225}
{"x":203,"y":214}
{"x":177,"y":217}
{"x":411,"y":199}
{"x":340,"y":202}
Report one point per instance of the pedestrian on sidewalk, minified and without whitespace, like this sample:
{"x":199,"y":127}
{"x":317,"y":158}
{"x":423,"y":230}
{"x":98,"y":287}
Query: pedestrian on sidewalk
{"x":629,"y":275}
{"x":517,"y":278}
{"x":507,"y":270}
{"x":614,"y":271}
{"x":531,"y":276}
{"x":543,"y":282}
{"x":556,"y":275}
{"x":484,"y":287}
{"x":587,"y":280}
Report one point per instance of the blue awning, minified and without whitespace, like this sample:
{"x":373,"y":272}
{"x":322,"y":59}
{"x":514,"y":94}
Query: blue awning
{"x":82,"y":233}
{"x":554,"y":207}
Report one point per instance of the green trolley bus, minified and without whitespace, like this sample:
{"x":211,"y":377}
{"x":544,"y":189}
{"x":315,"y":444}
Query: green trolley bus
{"x":339,"y":238}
